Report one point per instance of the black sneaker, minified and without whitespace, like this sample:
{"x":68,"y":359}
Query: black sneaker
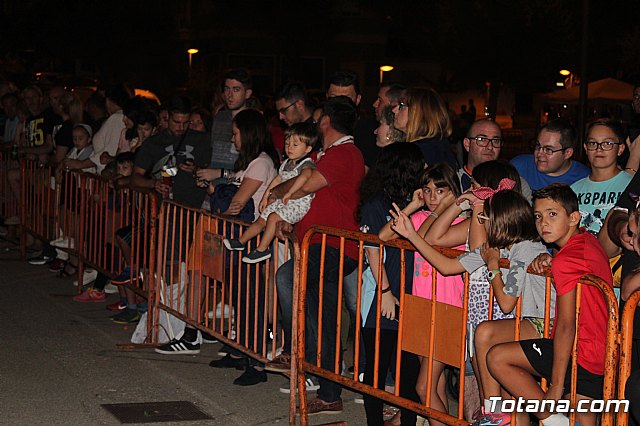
{"x":250,"y":377}
{"x":229,"y":362}
{"x":257,"y":256}
{"x":179,"y":347}
{"x":233,"y":244}
{"x":128,"y":316}
{"x":208,"y":338}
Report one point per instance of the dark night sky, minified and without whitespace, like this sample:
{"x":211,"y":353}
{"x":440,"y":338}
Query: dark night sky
{"x":519,"y":42}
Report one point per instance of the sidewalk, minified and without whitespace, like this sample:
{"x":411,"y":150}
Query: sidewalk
{"x":60,"y":363}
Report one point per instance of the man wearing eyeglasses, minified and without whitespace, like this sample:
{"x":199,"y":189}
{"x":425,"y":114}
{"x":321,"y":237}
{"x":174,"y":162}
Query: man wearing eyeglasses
{"x":291,"y":103}
{"x":483,"y":143}
{"x":551,"y":160}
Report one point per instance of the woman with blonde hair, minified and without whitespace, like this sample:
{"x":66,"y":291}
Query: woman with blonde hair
{"x":423,"y":117}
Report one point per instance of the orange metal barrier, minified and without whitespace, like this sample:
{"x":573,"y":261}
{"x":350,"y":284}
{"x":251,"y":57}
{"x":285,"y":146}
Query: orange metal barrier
{"x":445,"y":339}
{"x":8,"y":202}
{"x":210,"y":288}
{"x":86,"y":212}
{"x":626,"y":327}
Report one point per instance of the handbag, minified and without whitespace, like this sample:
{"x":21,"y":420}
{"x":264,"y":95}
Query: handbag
{"x":221,"y":199}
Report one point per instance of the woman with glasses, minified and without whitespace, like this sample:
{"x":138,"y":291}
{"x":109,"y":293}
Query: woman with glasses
{"x":423,"y":117}
{"x":599,"y":192}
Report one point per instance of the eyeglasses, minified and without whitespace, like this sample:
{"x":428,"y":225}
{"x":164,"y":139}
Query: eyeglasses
{"x":284,"y":109}
{"x":402,"y":105}
{"x":605,"y":146}
{"x":483,"y":142}
{"x":482,"y":217}
{"x":546,"y":149}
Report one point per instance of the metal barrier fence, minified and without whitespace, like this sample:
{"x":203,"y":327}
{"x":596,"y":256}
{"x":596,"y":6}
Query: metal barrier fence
{"x":624,"y":369}
{"x":179,"y":248}
{"x":85,"y":216}
{"x":9,"y":206}
{"x":211,"y":289}
{"x":446,"y":342}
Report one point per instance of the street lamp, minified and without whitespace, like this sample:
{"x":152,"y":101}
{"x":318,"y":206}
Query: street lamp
{"x":191,"y":52}
{"x":569,"y":80}
{"x":383,"y":69}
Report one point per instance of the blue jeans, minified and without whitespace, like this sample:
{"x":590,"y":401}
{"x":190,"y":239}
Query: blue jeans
{"x":329,"y":391}
{"x":284,"y":286}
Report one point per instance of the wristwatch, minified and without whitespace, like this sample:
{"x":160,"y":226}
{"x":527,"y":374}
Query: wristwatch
{"x":493,"y":273}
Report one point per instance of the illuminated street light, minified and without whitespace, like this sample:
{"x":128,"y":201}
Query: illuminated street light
{"x":383,"y":69}
{"x":565,"y":72}
{"x":191,"y":52}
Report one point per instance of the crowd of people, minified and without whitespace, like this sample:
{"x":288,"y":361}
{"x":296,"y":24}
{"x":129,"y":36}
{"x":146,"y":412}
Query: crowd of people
{"x":396,"y":177}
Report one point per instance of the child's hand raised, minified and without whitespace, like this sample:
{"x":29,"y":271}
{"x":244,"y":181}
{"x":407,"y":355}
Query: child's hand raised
{"x":467,"y":201}
{"x":417,"y":200}
{"x":541,"y":262}
{"x":446,"y":201}
{"x":401,"y":222}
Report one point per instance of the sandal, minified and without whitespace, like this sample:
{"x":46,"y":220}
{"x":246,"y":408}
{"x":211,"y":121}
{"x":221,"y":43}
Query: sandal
{"x":65,"y":273}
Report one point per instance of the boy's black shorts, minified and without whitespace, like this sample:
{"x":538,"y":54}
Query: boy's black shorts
{"x":539,"y":352}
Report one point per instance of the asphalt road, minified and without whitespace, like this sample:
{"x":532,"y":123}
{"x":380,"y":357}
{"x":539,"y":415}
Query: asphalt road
{"x":60,"y":364}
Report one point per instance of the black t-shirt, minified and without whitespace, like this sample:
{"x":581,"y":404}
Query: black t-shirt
{"x":365,"y":140}
{"x":630,"y":259}
{"x":51,"y":120}
{"x":34,"y":130}
{"x":64,"y":135}
{"x":195,"y":147}
{"x":374,"y":215}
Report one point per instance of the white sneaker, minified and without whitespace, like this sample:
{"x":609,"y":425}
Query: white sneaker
{"x":64,"y":242}
{"x":312,"y":385}
{"x":88,"y":277}
{"x":110,"y":288}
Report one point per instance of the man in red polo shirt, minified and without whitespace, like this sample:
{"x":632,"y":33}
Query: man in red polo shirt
{"x":336,"y":184}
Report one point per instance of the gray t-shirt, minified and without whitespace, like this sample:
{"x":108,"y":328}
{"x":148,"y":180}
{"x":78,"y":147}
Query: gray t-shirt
{"x":516,"y":279}
{"x":223,"y":153}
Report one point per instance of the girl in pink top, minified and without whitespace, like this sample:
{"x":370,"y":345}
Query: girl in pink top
{"x":439,"y":185}
{"x":438,"y":181}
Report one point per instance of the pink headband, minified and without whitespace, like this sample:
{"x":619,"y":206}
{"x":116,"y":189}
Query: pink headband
{"x":484,"y":192}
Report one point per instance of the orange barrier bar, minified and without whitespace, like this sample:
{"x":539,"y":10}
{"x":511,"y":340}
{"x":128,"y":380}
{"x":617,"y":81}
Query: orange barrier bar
{"x":626,"y":327}
{"x":432,"y":324}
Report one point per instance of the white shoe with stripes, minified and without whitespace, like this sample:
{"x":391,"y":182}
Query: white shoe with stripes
{"x":179,"y":347}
